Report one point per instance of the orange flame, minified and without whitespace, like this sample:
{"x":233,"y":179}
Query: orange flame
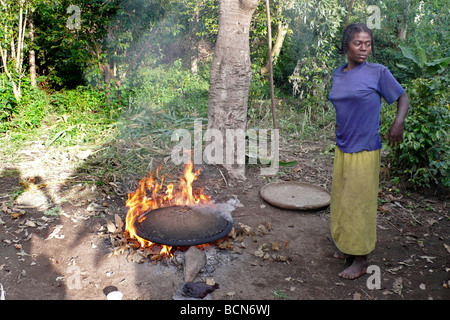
{"x":152,"y":195}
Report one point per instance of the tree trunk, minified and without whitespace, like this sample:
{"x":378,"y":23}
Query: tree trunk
{"x":402,"y":21}
{"x":32,"y":54}
{"x":230,"y":80}
{"x":16,"y":49}
{"x":194,"y":42}
{"x":281,"y":34}
{"x":402,"y":32}
{"x":349,"y":12}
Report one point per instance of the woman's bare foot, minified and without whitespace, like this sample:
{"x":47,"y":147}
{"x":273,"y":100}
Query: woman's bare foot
{"x":340,"y":255}
{"x":357,"y":269}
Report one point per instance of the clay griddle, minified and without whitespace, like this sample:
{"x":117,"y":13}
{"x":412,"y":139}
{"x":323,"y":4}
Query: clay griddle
{"x":295,"y":195}
{"x":183,"y":226}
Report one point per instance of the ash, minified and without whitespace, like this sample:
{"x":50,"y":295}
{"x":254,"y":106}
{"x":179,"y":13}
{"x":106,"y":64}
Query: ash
{"x":216,"y":258}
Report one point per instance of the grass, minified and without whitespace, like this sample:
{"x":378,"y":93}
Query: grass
{"x":280,"y":295}
{"x":294,"y":120}
{"x":76,"y":117}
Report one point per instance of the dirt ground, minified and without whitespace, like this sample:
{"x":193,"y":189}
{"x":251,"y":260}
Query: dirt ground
{"x":55,"y":244}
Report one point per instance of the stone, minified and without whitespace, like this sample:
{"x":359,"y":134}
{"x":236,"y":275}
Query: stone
{"x":194,"y":261}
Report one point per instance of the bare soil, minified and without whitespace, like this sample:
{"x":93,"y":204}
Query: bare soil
{"x":55,"y":245}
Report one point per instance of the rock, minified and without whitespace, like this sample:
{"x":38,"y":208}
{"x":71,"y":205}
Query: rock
{"x":180,"y":294}
{"x":198,"y":289}
{"x":194,"y":261}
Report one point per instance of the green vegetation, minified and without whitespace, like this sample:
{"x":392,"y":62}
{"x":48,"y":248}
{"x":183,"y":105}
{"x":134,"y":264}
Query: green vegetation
{"x":423,"y":156}
{"x":133,"y":71}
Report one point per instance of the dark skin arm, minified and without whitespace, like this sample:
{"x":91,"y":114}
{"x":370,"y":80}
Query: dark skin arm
{"x":395,"y":134}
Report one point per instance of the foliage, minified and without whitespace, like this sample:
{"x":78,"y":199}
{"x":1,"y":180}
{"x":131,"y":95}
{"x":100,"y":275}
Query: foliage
{"x":114,"y":39}
{"x":423,"y":155}
{"x":205,"y":13}
{"x":66,"y":118}
{"x":172,"y":87}
{"x":26,"y":113}
{"x":421,"y":67}
{"x":64,"y":54}
{"x":83,"y":115}
{"x":8,"y":103}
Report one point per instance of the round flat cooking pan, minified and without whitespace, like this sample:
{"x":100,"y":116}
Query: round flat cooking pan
{"x":183,"y":226}
{"x":295,"y":195}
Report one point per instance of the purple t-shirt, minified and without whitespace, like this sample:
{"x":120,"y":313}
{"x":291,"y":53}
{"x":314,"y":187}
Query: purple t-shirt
{"x":356,"y":96}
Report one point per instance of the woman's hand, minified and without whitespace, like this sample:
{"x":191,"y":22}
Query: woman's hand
{"x":395,"y":134}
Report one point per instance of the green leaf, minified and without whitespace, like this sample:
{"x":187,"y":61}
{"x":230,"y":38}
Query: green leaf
{"x":287,"y":164}
{"x":402,"y":66}
{"x":437,"y":65}
{"x":422,"y":55}
{"x":407,"y":53}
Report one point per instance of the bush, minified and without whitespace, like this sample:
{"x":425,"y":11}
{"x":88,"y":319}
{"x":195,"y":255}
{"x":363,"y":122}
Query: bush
{"x":8,"y":103}
{"x":172,"y":88}
{"x":422,"y":157}
{"x":79,"y":100}
{"x":24,"y":114}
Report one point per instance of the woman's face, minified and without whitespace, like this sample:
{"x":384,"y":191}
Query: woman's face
{"x":359,"y":48}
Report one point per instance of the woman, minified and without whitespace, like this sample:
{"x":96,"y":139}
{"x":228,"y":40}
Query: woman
{"x":358,"y":87}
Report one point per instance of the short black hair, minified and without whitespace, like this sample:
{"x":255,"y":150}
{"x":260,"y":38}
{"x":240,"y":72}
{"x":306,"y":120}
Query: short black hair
{"x":348,"y":33}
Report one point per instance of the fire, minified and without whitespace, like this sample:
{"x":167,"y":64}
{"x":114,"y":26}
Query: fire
{"x":152,"y":194}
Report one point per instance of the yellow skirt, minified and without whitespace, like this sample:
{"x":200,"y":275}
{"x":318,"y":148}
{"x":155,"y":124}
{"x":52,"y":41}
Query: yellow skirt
{"x":353,"y":204}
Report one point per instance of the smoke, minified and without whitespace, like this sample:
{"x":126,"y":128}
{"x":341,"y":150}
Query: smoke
{"x":223,"y":209}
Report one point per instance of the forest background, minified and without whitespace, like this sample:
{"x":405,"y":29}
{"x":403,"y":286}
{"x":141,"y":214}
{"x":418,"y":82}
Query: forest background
{"x":119,"y":76}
